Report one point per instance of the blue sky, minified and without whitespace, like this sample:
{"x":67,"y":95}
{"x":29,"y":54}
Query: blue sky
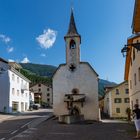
{"x":33,"y":31}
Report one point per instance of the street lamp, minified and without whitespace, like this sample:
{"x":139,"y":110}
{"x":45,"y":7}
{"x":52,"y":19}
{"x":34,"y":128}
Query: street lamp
{"x":125,"y":49}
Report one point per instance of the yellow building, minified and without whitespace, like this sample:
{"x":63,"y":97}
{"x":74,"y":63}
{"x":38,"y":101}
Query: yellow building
{"x":116,"y":101}
{"x":132,"y":64}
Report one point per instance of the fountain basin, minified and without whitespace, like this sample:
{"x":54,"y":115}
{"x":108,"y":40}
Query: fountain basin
{"x":70,"y":119}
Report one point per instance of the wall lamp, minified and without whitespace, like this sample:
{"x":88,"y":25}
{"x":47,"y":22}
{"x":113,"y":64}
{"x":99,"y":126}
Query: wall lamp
{"x":125,"y":49}
{"x":2,"y":70}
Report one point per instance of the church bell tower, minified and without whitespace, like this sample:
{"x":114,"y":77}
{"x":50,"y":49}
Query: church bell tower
{"x":73,"y":40}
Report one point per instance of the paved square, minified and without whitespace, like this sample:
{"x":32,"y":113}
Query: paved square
{"x":52,"y":130}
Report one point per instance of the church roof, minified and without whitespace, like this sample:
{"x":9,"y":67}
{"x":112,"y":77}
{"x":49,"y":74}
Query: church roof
{"x":72,"y":30}
{"x":61,"y":65}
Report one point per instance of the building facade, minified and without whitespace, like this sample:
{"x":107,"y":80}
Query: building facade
{"x":14,"y":89}
{"x":75,"y":84}
{"x":116,"y":101}
{"x":42,"y":94}
{"x":132,"y":64}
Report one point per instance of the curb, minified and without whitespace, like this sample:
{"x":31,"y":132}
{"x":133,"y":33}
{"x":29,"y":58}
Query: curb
{"x":5,"y":118}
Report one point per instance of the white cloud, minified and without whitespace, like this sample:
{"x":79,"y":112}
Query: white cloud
{"x":43,"y":55}
{"x":5,"y":38}
{"x":25,"y":60}
{"x":10,"y":49}
{"x":47,"y":39}
{"x":11,"y":60}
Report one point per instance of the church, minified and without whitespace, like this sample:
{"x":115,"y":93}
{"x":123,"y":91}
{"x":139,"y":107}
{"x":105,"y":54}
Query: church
{"x":75,"y":83}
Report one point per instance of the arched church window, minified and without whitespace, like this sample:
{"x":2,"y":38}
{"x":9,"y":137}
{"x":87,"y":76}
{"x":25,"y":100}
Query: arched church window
{"x":72,"y":44}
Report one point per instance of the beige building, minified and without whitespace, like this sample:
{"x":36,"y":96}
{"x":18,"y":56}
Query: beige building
{"x":132,"y":64}
{"x":116,"y":101}
{"x":75,"y":84}
{"x":42,"y":94}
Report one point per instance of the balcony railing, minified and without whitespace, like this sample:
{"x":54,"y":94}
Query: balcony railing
{"x":24,"y":87}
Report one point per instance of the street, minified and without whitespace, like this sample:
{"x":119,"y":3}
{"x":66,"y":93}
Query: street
{"x":52,"y":130}
{"x":17,"y":124}
{"x":39,"y":125}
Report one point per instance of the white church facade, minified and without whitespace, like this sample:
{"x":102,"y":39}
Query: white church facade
{"x":75,"y":84}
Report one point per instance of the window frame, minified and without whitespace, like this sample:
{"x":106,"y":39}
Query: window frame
{"x":126,"y":100}
{"x":117,"y":91}
{"x":117,"y":100}
{"x":118,"y":110}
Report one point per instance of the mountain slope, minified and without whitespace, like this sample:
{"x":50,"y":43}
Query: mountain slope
{"x":43,"y":73}
{"x":102,"y":84}
{"x":39,"y":69}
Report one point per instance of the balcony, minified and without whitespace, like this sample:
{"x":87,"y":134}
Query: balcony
{"x":24,"y":87}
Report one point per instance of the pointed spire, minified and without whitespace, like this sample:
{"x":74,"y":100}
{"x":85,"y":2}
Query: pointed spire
{"x":72,"y":31}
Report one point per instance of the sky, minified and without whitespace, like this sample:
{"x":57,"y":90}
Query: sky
{"x":33,"y":31}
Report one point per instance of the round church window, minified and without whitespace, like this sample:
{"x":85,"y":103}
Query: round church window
{"x":75,"y":91}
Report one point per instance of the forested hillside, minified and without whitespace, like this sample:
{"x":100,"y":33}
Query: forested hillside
{"x":38,"y":73}
{"x":39,"y":69}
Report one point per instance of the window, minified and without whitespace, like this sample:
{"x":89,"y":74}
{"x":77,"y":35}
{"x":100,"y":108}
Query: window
{"x":107,"y":99}
{"x":39,"y":89}
{"x":17,"y":92}
{"x":135,"y":80}
{"x":13,"y":77}
{"x":39,"y":85}
{"x":17,"y":79}
{"x":139,"y":73}
{"x":133,"y":54}
{"x":72,"y":44}
{"x":126,"y":100}
{"x":132,"y":105}
{"x":137,"y":101}
{"x":118,"y":110}
{"x":48,"y":100}
{"x":137,"y":42}
{"x":130,"y":84}
{"x":117,"y":91}
{"x":48,"y":94}
{"x":22,"y":93}
{"x":127,"y":91}
{"x":117,"y":100}
{"x":48,"y":89}
{"x":13,"y":91}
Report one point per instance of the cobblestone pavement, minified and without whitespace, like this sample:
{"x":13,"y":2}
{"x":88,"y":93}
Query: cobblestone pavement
{"x":52,"y":130}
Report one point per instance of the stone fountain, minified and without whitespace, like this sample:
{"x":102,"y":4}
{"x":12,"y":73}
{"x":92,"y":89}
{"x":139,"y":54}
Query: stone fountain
{"x":74,"y":115}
